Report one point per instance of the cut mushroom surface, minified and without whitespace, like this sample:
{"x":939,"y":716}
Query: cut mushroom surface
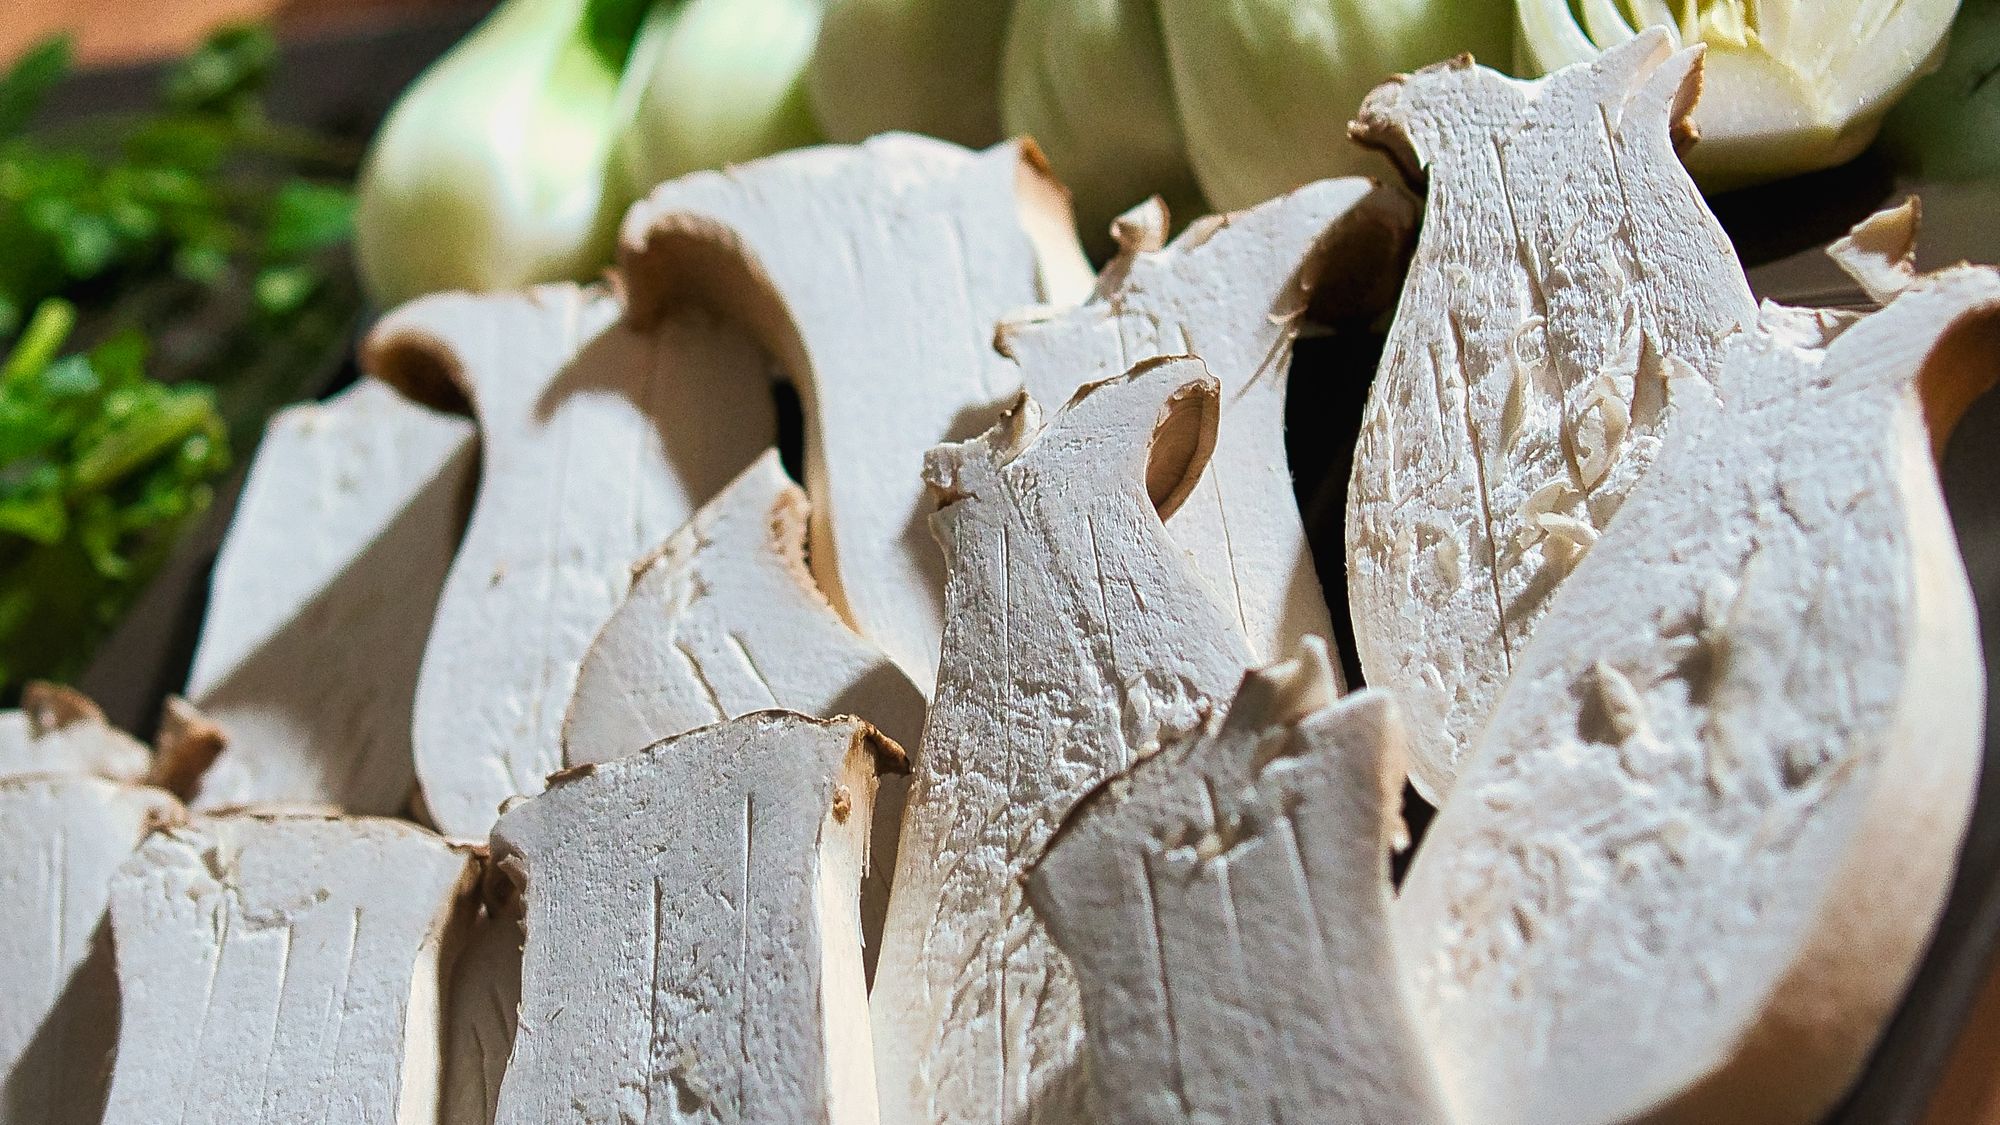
{"x":284,"y":968}
{"x":1567,"y":279}
{"x":322,"y":598}
{"x":1233,"y":291}
{"x":725,"y":620}
{"x":1225,"y":904}
{"x":482,"y":1005}
{"x":60,"y":730}
{"x":66,"y":836}
{"x":875,"y":274}
{"x":693,"y":939}
{"x":184,"y":748}
{"x":1709,"y":830}
{"x":596,"y":442}
{"x":1078,"y":638}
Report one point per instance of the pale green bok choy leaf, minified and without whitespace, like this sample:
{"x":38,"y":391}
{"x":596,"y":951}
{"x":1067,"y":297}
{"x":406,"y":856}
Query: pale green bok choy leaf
{"x":712,"y":83}
{"x":1948,"y":128}
{"x":1266,"y":87}
{"x":490,"y":172}
{"x":1087,"y":79}
{"x":1788,"y":86}
{"x":923,"y":66}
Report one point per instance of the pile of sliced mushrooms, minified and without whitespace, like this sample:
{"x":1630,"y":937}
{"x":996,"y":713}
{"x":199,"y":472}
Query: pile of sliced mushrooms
{"x":551,"y":756}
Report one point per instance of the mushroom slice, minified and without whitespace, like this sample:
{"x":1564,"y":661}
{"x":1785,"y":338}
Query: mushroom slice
{"x":874,"y":274}
{"x":1232,"y":290}
{"x":184,"y":748}
{"x":725,"y":620}
{"x":284,"y":968}
{"x":482,"y":1004}
{"x":1710,"y":829}
{"x":1226,"y":903}
{"x":1568,"y":278}
{"x":692,"y":936}
{"x":60,"y":730}
{"x":322,"y":597}
{"x":66,"y":836}
{"x":596,"y":442}
{"x":1078,"y":639}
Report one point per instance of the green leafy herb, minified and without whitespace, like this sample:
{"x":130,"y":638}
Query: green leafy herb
{"x":226,"y":75}
{"x":307,"y":218}
{"x":23,"y":87}
{"x":101,"y":469}
{"x":167,"y":279}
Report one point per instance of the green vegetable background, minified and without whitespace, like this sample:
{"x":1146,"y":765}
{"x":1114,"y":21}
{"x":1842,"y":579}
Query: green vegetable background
{"x":1213,"y":104}
{"x":164,"y":277}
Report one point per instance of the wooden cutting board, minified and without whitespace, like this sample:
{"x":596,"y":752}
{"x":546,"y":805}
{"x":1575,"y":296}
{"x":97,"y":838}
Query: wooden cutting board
{"x":115,"y":31}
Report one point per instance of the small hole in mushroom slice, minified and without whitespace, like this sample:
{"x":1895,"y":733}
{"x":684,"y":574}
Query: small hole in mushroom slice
{"x":1182,"y":441}
{"x":1957,"y":372}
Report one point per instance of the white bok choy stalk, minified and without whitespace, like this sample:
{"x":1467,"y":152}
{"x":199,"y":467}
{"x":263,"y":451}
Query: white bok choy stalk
{"x":712,"y":83}
{"x":1266,"y":87}
{"x":1087,"y":79}
{"x":1788,"y":85}
{"x":490,"y":172}
{"x":925,"y":66}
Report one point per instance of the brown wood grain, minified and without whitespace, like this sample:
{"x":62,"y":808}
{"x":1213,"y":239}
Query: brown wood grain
{"x":116,"y":31}
{"x":1969,"y":1093}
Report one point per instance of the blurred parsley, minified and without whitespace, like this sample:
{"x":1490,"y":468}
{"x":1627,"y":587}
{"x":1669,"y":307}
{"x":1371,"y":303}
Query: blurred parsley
{"x":101,"y":468}
{"x":166,"y":280}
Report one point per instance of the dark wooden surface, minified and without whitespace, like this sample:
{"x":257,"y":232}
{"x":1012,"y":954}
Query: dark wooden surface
{"x":1929,"y":1067}
{"x":1918,"y":1048}
{"x":107,"y":32}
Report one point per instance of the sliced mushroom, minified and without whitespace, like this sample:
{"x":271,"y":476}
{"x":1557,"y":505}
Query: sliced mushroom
{"x":1707,"y":835}
{"x":1567,"y":282}
{"x":284,"y":968}
{"x":482,"y":1005}
{"x":1225,"y":904}
{"x":321,"y":600}
{"x":874,"y":274}
{"x":66,"y":836}
{"x":693,"y":944}
{"x":60,"y":730}
{"x":596,"y":442}
{"x":1232,"y":291}
{"x":184,"y":748}
{"x":725,"y":620}
{"x":1078,"y":639}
